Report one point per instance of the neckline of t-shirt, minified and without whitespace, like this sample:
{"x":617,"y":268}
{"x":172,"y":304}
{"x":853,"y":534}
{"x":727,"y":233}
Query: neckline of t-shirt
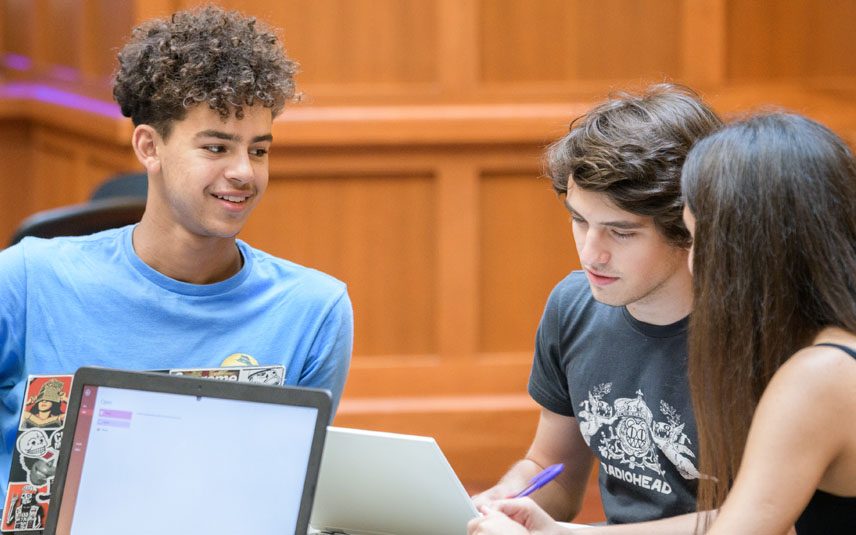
{"x":187,"y":288}
{"x":656,"y":331}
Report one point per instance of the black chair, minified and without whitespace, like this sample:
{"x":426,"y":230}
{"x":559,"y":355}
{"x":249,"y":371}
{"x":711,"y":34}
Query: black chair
{"x":117,"y":202}
{"x":81,"y":219}
{"x":123,"y":185}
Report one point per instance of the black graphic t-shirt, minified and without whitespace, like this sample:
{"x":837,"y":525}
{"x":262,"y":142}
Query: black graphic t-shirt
{"x":626,"y":383}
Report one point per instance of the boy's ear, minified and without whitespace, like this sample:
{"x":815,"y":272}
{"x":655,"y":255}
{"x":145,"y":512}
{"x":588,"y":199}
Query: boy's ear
{"x":146,"y":141}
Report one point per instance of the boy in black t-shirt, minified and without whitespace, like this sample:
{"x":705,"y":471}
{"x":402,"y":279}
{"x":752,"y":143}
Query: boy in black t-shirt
{"x":610,"y":361}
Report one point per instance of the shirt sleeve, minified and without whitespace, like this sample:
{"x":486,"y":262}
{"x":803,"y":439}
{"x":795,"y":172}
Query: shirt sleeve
{"x":330,"y":354}
{"x":13,"y":291}
{"x":548,"y":382}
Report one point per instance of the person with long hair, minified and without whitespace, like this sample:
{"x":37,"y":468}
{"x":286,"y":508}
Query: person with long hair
{"x":771,"y":205}
{"x":771,"y":202}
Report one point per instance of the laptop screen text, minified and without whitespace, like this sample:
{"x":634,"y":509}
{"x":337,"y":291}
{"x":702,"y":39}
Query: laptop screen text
{"x":149,"y":462}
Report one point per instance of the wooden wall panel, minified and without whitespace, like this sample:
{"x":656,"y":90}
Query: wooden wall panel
{"x":149,"y":9}
{"x":107,"y":26}
{"x":527,"y":41}
{"x":790,"y":40}
{"x":370,"y":47}
{"x":440,"y":51}
{"x":834,"y":50}
{"x":526,"y":248}
{"x":60,"y":28}
{"x":16,"y":175}
{"x":562,"y":41}
{"x":703,"y":31}
{"x":66,"y":167}
{"x":375,"y":232}
{"x":19,"y":18}
{"x":767,"y":39}
{"x":55,"y":167}
{"x":373,"y":42}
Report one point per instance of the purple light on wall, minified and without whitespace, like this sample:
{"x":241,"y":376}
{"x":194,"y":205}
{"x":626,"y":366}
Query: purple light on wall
{"x":52,"y":95}
{"x":17,"y":62}
{"x":65,"y":73}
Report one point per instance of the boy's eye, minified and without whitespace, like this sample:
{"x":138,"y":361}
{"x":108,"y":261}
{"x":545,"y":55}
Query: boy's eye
{"x":216,"y":149}
{"x":623,"y":235}
{"x":577,"y":219}
{"x":259,"y":152}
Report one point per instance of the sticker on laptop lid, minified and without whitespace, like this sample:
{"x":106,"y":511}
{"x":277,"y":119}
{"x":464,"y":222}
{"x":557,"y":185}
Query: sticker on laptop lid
{"x":34,"y":458}
{"x":268,"y":375}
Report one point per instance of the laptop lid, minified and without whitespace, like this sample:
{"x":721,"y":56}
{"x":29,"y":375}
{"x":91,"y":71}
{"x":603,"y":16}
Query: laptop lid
{"x":384,"y":483}
{"x":151,"y":453}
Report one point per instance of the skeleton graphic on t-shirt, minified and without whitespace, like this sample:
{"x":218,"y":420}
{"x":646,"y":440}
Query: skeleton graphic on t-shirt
{"x":629,"y":434}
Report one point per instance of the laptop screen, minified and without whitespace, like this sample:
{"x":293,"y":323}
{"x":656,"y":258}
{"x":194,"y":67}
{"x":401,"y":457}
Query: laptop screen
{"x":147,"y":462}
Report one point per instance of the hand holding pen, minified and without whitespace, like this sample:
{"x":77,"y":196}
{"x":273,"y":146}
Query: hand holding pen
{"x":544,"y":477}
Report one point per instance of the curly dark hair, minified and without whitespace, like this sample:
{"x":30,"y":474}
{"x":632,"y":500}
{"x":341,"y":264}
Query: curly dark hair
{"x":632,"y":148}
{"x":210,"y":55}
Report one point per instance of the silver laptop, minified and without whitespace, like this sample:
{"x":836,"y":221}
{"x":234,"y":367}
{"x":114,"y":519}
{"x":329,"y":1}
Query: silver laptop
{"x":374,"y":483}
{"x":150,"y":453}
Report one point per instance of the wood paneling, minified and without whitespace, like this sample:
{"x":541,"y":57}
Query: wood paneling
{"x":361,"y":42}
{"x":53,"y":189}
{"x":60,"y":30}
{"x":18,"y":18}
{"x":382,"y":52}
{"x":562,"y":41}
{"x":790,"y":39}
{"x":703,"y":33}
{"x":411,"y":169}
{"x":457,"y":255}
{"x":150,"y":9}
{"x":16,"y":172}
{"x":69,"y":166}
{"x":107,"y":24}
{"x":375,"y":232}
{"x":526,"y":248}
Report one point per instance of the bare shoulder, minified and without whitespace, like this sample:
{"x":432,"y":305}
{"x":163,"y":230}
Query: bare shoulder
{"x":811,"y":391}
{"x":821,"y":370}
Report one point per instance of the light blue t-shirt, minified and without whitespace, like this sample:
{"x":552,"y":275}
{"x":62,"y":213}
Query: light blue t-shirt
{"x":91,"y":301}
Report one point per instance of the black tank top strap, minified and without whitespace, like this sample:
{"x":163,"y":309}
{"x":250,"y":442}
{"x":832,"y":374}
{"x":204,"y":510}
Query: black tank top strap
{"x":844,"y":348}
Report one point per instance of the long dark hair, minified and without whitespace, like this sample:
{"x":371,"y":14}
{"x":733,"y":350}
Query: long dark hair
{"x":774,"y":262}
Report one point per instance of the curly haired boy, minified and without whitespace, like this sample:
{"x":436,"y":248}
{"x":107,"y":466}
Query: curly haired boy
{"x":178,"y":290}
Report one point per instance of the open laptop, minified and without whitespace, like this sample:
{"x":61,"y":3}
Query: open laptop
{"x":383,"y":483}
{"x":151,"y":453}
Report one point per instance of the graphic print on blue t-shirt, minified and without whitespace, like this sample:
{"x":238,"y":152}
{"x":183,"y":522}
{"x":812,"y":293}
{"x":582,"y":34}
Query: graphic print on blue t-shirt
{"x":239,"y":359}
{"x":628,"y":434}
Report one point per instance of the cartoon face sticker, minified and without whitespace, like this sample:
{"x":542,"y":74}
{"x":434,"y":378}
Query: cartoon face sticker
{"x":33,"y":443}
{"x":269,"y":376}
{"x":41,"y":471}
{"x":45,"y":402}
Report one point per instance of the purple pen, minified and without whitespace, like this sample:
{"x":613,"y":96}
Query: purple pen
{"x":546,"y":475}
